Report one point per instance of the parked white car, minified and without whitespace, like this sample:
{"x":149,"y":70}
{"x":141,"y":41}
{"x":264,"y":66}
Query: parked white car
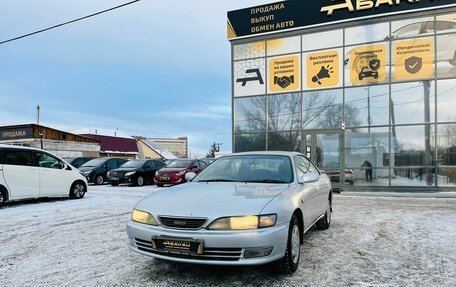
{"x":243,"y":209}
{"x":33,"y":173}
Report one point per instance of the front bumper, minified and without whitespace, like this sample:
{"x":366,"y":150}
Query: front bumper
{"x":119,"y":180}
{"x":173,"y":180}
{"x":220,"y":247}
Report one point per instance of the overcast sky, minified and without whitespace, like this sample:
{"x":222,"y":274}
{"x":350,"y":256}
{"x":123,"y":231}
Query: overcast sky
{"x":154,"y":68}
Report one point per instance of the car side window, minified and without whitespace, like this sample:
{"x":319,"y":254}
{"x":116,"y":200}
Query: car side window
{"x":304,"y":166}
{"x":202,"y":164}
{"x":48,"y":161}
{"x":159,"y":164}
{"x":312,"y":167}
{"x":18,"y":157}
{"x":150,"y":164}
{"x":111,"y":164}
{"x":195,"y":165}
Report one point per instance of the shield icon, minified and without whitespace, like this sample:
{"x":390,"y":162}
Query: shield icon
{"x":374,"y":64}
{"x":413,"y":65}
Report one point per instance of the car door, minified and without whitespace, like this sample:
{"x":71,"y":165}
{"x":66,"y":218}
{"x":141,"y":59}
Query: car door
{"x":309,"y":190}
{"x":54,"y":177}
{"x":149,"y":170}
{"x":323,"y":188}
{"x":20,"y":173}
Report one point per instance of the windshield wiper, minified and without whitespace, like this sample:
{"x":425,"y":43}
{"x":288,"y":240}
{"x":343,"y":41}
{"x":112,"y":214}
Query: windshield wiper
{"x":266,"y":181}
{"x":217,"y":180}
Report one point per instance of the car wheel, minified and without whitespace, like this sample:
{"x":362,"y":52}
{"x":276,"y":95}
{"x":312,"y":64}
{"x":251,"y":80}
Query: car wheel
{"x":289,"y":263}
{"x":78,"y":190}
{"x":325,"y":221}
{"x":99,"y":179}
{"x":140,"y":181}
{"x":2,"y":197}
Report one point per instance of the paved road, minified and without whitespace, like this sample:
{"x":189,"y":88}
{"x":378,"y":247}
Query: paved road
{"x":373,"y":241}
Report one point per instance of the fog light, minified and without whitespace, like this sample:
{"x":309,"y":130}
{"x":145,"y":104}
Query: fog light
{"x":257,"y":252}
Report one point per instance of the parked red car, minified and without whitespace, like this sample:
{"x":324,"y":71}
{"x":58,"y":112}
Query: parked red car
{"x":174,"y":172}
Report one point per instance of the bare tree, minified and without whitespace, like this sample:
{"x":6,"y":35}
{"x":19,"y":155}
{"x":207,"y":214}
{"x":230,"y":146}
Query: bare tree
{"x":194,"y":154}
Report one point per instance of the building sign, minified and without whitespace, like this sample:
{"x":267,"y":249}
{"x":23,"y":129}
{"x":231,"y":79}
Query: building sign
{"x":16,"y":134}
{"x":249,"y":78}
{"x":323,"y":69}
{"x":414,"y":59}
{"x":368,"y":64}
{"x":284,"y":74}
{"x":294,"y":14}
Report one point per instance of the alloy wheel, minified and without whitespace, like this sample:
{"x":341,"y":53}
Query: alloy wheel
{"x":99,"y":179}
{"x":140,"y":181}
{"x":79,"y":190}
{"x":295,"y":244}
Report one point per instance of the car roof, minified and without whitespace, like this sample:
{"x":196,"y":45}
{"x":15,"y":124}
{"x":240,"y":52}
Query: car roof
{"x":280,"y":153}
{"x":18,"y":147}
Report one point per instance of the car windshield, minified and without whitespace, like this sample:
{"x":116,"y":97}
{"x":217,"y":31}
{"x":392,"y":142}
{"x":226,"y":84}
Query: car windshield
{"x":134,"y":163}
{"x":95,"y":162}
{"x":248,"y":168}
{"x":180,"y":164}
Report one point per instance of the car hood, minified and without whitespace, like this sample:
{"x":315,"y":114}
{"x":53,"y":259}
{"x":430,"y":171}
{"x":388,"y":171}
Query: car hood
{"x":211,"y":200}
{"x":125,"y":169}
{"x":171,"y":170}
{"x":85,"y":169}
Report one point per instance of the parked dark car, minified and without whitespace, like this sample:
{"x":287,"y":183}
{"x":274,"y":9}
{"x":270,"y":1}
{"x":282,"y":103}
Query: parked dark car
{"x":77,"y":162}
{"x":135,"y":172}
{"x":174,"y":172}
{"x":96,"y":169}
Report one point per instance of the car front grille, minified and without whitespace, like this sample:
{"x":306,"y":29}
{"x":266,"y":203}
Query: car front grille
{"x":182,"y":222}
{"x":209,"y":254}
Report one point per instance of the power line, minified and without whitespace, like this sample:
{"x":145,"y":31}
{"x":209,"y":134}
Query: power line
{"x":69,"y":22}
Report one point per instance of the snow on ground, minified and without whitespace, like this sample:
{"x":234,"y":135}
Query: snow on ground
{"x":373,"y":241}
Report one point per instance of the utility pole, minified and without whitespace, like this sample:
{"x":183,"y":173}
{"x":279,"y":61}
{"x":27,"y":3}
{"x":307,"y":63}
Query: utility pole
{"x":38,"y":114}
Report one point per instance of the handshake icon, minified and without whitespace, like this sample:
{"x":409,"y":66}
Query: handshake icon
{"x":284,"y":81}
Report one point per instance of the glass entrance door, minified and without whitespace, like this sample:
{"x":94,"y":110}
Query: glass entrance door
{"x":324,"y":149}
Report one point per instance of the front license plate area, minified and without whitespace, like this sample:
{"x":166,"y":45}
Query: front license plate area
{"x":165,"y":178}
{"x":185,"y":246}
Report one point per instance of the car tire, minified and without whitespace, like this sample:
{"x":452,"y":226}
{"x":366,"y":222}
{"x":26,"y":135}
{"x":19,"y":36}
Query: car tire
{"x":99,"y":179}
{"x":2,"y":197}
{"x":140,"y":181}
{"x":290,"y":261}
{"x":78,"y":190}
{"x":325,"y":221}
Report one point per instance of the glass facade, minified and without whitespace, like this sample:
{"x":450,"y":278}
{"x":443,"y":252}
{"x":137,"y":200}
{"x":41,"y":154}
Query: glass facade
{"x":373,"y":105}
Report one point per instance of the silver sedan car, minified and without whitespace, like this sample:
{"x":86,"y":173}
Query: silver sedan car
{"x":244,"y":209}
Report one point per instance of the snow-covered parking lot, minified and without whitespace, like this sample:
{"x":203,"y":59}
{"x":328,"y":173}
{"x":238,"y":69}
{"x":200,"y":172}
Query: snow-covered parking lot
{"x":373,"y":241}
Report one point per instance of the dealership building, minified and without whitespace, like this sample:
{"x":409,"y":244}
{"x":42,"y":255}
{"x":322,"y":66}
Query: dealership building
{"x":359,"y":86}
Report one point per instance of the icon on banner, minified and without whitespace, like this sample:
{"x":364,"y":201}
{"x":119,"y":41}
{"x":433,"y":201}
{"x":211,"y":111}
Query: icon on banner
{"x":371,"y":71}
{"x":325,"y":73}
{"x":413,"y":65}
{"x":284,"y":81}
{"x":258,"y":77}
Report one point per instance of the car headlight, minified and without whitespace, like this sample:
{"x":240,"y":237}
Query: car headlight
{"x":243,"y":222}
{"x":182,"y":172}
{"x":130,"y":173}
{"x":143,"y":217}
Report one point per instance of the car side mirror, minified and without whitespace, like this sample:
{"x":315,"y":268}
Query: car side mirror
{"x":189,"y":176}
{"x":309,"y":178}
